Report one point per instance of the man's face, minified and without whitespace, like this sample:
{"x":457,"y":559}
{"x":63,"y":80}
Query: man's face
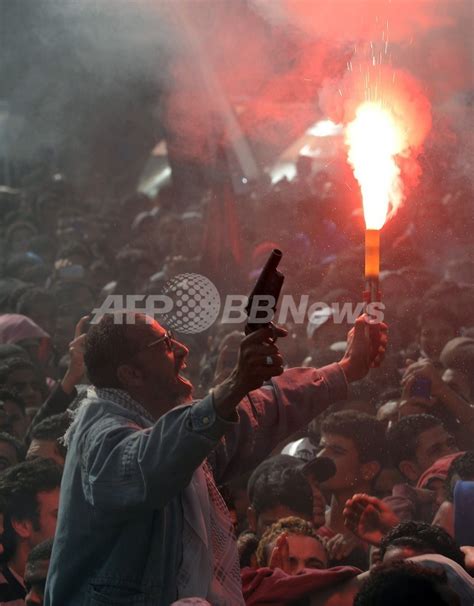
{"x":26,"y":383}
{"x":44,"y":449}
{"x":434,"y":335}
{"x":48,"y":504}
{"x":160,"y":364}
{"x":8,"y":456}
{"x":433,"y":444}
{"x":343,"y":452}
{"x":14,"y":418}
{"x":268,"y":517}
{"x":304,"y":552}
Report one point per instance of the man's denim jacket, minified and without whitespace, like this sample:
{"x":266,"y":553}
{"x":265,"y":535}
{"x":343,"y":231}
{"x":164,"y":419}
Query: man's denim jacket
{"x":118,"y":538}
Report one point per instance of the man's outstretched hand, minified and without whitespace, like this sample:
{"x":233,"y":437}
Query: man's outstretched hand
{"x":369,"y":518}
{"x":259,"y":360}
{"x":366,"y":345}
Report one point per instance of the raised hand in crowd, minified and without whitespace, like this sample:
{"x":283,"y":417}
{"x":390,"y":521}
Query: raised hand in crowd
{"x":280,"y":556}
{"x":440,"y":393}
{"x":411,"y":404}
{"x":64,"y":393}
{"x":425,"y":368}
{"x":369,"y":518}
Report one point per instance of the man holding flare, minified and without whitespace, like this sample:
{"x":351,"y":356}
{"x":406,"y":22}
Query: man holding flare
{"x":143,"y":461}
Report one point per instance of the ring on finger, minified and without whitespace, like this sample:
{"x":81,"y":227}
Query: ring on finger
{"x":269,"y":361}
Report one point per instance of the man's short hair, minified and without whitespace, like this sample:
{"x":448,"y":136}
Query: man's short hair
{"x":52,"y":429}
{"x":402,"y":437}
{"x":108,"y":345}
{"x":19,"y":447}
{"x":403,"y":583}
{"x":280,"y":461}
{"x":365,"y":431}
{"x":424,"y":538}
{"x":290,"y":525}
{"x":21,"y":483}
{"x":6,"y":395}
{"x":462,"y":466}
{"x":19,"y":487}
{"x":282,"y":485}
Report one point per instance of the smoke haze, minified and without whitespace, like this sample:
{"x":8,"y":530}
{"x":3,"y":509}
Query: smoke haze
{"x":107,"y":79}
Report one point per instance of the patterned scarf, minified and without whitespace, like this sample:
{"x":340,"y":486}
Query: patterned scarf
{"x":210,"y":565}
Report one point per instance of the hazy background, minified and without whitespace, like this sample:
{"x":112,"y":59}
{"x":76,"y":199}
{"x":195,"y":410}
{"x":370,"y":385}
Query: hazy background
{"x":92,"y":86}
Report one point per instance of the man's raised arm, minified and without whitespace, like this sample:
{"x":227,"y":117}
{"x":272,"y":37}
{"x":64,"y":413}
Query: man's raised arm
{"x":287,"y":402}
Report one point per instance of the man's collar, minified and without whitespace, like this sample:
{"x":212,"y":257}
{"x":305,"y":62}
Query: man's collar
{"x":121,"y":397}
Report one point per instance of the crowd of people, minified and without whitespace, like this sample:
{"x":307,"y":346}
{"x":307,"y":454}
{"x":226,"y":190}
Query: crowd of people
{"x":280,"y":484}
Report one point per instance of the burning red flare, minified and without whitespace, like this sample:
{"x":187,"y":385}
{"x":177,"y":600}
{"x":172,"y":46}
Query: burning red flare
{"x":374,"y":140}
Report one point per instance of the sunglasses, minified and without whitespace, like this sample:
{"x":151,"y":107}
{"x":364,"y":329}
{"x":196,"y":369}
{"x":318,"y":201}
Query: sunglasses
{"x":167,"y":339}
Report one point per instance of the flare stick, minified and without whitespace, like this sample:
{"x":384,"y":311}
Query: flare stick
{"x":372,"y":265}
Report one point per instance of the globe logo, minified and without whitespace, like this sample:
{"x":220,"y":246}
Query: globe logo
{"x":196,"y":303}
